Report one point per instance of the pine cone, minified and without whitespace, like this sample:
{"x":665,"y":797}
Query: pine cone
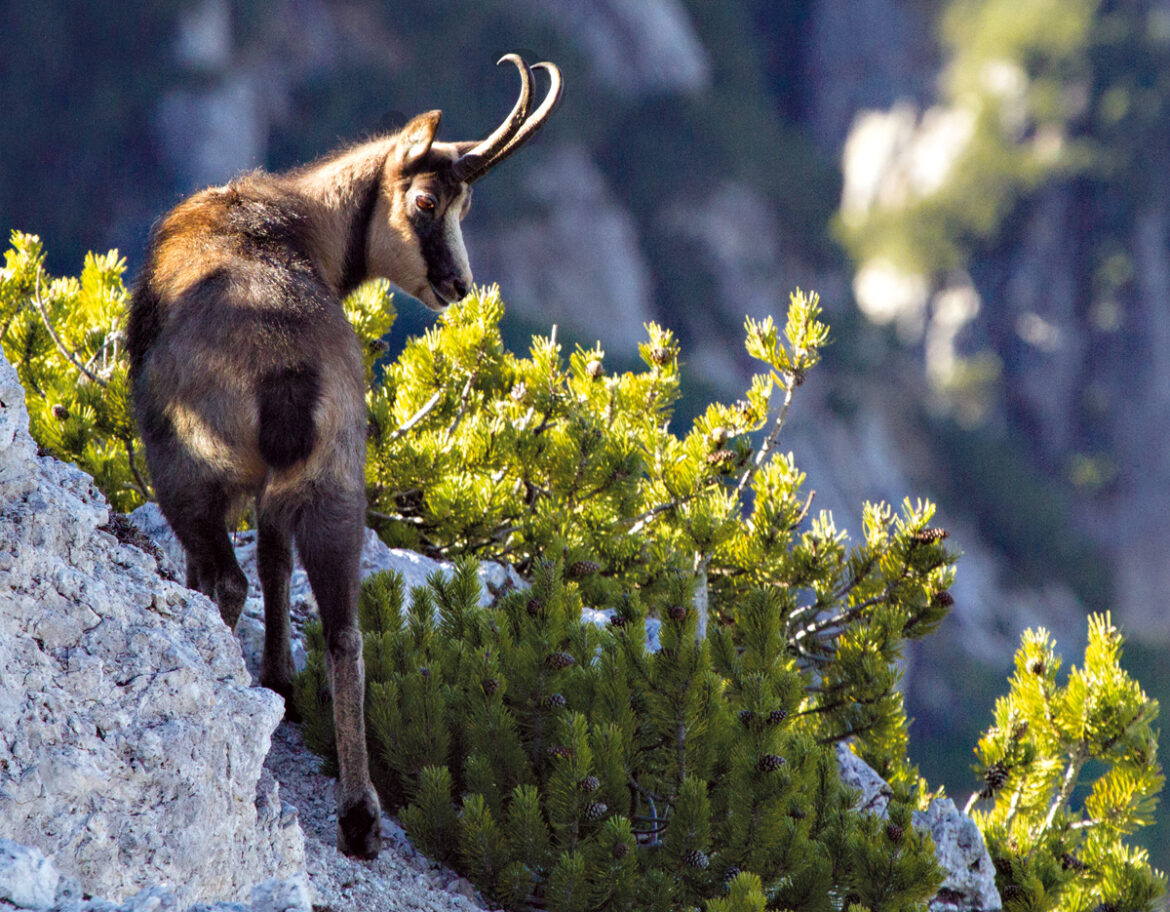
{"x":620,"y":850}
{"x":944,"y":599}
{"x":595,"y":810}
{"x":929,"y":536}
{"x":769,"y":763}
{"x":746,"y":716}
{"x":594,"y":370}
{"x":619,"y":620}
{"x":660,"y":355}
{"x":1070,"y":862}
{"x":1013,"y":891}
{"x":59,"y":412}
{"x":589,"y":784}
{"x":425,"y":672}
{"x":534,"y":606}
{"x":696,"y":859}
{"x":776,"y":716}
{"x":798,"y":813}
{"x":582,"y":568}
{"x":677,"y":613}
{"x":559,"y":752}
{"x":555,"y":701}
{"x":731,"y":873}
{"x":720,"y":456}
{"x":490,"y":686}
{"x":996,"y":776}
{"x":894,"y":833}
{"x":1037,"y":667}
{"x":559,"y":660}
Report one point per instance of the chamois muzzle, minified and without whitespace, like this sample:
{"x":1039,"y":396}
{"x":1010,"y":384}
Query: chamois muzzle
{"x":519,"y":126}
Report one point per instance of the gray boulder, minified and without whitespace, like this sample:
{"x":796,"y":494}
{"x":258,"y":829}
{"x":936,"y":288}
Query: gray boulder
{"x":30,"y":881}
{"x":132,"y":742}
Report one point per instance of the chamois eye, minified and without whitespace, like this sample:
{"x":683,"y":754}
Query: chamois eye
{"x":425,"y":202}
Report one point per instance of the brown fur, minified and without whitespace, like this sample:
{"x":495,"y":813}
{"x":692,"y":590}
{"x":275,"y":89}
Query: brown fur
{"x":248,"y":383}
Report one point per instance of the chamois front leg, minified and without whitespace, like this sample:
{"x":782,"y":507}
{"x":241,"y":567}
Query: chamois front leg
{"x":329,"y":536}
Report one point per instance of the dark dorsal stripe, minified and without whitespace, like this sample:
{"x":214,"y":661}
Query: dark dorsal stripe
{"x":354,"y":269}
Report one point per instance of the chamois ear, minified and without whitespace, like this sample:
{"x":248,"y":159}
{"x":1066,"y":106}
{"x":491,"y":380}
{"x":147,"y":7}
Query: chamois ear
{"x":416,"y":137}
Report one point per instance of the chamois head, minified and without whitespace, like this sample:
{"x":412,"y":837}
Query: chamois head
{"x":415,"y":233}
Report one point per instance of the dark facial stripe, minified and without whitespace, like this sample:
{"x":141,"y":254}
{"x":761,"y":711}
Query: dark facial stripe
{"x":355,"y":269}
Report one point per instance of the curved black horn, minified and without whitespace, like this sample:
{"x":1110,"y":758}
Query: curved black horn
{"x":551,"y":100}
{"x":528,"y":128}
{"x":477,"y":157}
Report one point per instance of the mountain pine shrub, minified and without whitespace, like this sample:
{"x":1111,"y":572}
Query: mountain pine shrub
{"x":561,"y":765}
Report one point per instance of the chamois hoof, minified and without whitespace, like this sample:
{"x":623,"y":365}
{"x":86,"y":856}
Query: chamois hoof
{"x":286,"y":690}
{"x":359,"y":827}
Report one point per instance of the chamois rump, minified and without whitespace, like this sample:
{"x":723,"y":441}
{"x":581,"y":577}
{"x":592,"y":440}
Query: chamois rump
{"x":247,"y":378}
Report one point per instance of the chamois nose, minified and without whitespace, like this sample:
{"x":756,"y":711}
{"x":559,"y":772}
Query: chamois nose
{"x":460,"y":288}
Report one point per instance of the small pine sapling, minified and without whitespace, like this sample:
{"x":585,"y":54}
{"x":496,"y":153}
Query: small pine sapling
{"x":1070,"y":772}
{"x":65,"y":339}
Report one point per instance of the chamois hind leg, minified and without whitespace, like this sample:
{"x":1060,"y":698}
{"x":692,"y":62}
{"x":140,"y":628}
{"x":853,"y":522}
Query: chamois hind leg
{"x":274,"y":566}
{"x":328,"y":533}
{"x":200,"y":524}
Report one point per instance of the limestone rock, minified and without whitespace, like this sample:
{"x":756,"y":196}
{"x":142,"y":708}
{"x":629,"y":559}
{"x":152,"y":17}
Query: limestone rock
{"x":132,"y":742}
{"x":959,"y":847}
{"x":30,"y":881}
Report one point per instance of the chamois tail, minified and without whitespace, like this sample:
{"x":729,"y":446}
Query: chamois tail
{"x":288,"y":399}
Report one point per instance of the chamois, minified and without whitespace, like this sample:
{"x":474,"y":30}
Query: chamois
{"x":247,"y":378}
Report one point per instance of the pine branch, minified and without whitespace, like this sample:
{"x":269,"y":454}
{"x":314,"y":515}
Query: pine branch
{"x":139,"y":481}
{"x":702,"y":595}
{"x":396,"y":517}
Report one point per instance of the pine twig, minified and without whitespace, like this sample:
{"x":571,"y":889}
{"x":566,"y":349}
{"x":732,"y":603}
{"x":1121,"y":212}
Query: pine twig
{"x":769,"y":441}
{"x":1067,"y":785}
{"x":139,"y":481}
{"x":416,"y":417}
{"x":465,"y":395}
{"x":70,"y":356}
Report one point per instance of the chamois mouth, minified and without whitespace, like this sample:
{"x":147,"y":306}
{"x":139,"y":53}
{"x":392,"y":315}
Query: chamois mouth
{"x":440,"y":302}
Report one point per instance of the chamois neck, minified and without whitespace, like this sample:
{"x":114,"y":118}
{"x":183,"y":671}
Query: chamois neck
{"x":340,"y":193}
